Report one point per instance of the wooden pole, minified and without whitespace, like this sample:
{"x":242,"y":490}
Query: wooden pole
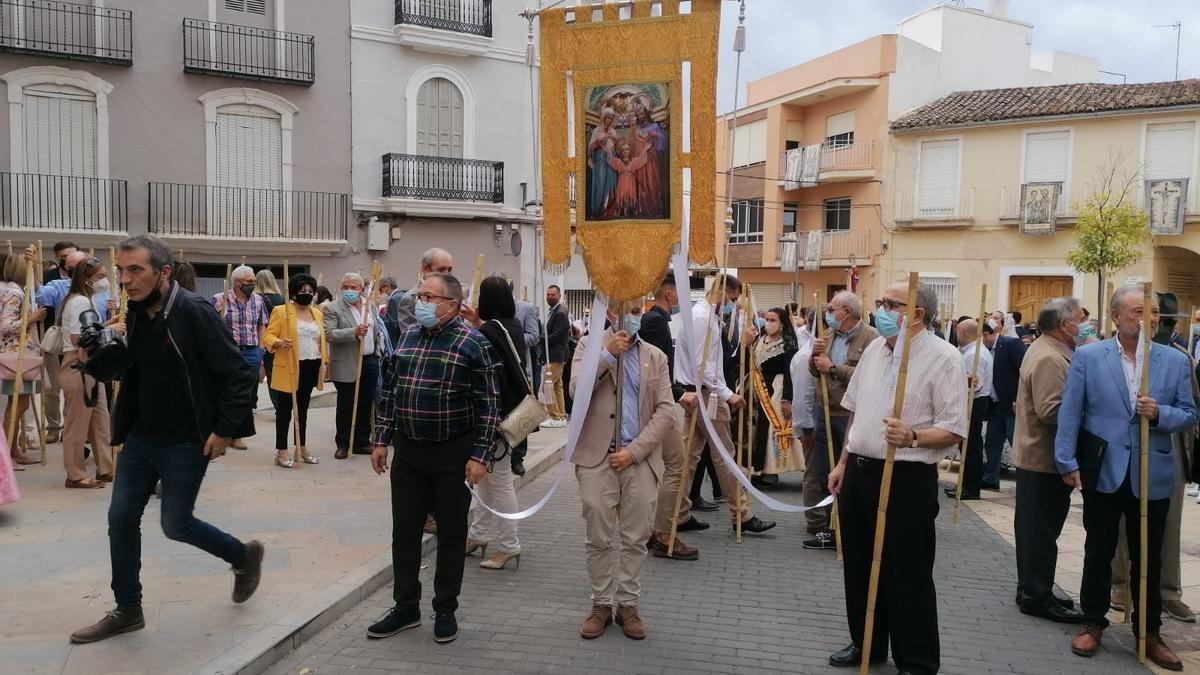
{"x":1144,"y":472}
{"x":618,"y":380}
{"x":962,"y":464}
{"x":367,"y":314}
{"x":885,"y":487}
{"x":320,"y":276}
{"x":741,"y":416}
{"x":819,"y":326}
{"x":19,"y":378}
{"x":1106,"y":323}
{"x":748,"y":385}
{"x":293,"y":367}
{"x":41,"y":429}
{"x":473,"y":299}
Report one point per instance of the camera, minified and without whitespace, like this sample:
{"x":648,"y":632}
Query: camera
{"x":108,"y":353}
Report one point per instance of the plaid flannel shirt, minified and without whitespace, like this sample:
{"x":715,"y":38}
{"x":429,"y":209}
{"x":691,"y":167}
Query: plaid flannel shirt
{"x":244,"y":318}
{"x":439,"y":384}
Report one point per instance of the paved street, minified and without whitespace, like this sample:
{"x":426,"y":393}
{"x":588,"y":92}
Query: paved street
{"x":766,"y":606}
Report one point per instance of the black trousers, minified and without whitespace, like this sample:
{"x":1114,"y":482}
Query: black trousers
{"x":1043,"y":501}
{"x":366,"y":401}
{"x":705,"y":466}
{"x":310,"y":370}
{"x":972,"y":465}
{"x":906,"y":604}
{"x":1101,"y":517}
{"x":428,"y":478}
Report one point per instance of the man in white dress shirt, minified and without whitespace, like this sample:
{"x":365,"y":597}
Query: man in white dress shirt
{"x":972,"y":464}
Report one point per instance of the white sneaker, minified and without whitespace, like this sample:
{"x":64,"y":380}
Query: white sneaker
{"x":1193,"y":489}
{"x":553,"y":424}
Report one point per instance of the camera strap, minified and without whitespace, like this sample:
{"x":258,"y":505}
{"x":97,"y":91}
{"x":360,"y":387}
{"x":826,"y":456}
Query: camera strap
{"x":88,"y":400}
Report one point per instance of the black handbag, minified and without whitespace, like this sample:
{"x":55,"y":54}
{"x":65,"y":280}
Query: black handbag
{"x":1089,"y":454}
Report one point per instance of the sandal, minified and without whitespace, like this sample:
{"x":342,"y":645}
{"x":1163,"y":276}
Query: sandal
{"x":282,"y":459}
{"x":84,"y":484}
{"x":307,"y":458}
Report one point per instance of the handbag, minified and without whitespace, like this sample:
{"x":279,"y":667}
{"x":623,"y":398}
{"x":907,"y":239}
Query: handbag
{"x":52,"y":341}
{"x":31,"y":367}
{"x":529,"y":413}
{"x":1089,"y":454}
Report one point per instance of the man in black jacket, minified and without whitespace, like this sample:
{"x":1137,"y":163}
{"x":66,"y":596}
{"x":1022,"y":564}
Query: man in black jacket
{"x":186,"y":395}
{"x":1007,"y":355}
{"x":558,"y":337}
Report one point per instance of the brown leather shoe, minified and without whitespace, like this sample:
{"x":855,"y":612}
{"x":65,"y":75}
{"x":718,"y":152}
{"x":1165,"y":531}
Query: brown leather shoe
{"x":596,"y":622}
{"x":104,"y":477}
{"x":119,"y":620}
{"x":659,"y":544}
{"x":430,"y":525}
{"x":1158,"y":652}
{"x":1178,"y":610}
{"x":238,"y":444}
{"x":247,"y":574}
{"x":1087,"y":640}
{"x":341,"y":453}
{"x":631,"y":624}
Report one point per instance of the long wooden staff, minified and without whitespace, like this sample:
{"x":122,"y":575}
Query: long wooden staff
{"x":741,"y":418}
{"x":1144,"y":477}
{"x":618,"y":380}
{"x":367,"y":303}
{"x":19,"y":378}
{"x":692,"y":417}
{"x":33,"y":399}
{"x":225,"y":288}
{"x":1106,"y":320}
{"x":885,"y":487}
{"x":751,"y":394}
{"x":474,"y":297}
{"x":116,"y":385}
{"x":293,"y":368}
{"x":962,"y":461}
{"x":833,"y":510}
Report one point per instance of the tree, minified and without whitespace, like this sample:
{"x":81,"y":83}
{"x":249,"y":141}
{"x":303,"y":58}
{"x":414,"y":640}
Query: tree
{"x":1110,"y":230}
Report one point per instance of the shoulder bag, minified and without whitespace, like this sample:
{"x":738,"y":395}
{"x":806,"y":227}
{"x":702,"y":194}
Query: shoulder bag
{"x":528,"y":414}
{"x":53,"y":341}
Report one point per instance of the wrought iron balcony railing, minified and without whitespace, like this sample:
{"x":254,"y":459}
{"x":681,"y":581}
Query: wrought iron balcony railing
{"x":230,"y":50}
{"x":445,"y":178}
{"x":246,"y":213}
{"x":67,"y":30}
{"x":42,"y":202}
{"x":473,"y":17}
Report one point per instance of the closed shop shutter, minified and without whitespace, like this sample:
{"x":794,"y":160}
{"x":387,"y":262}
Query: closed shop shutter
{"x":938,"y":192}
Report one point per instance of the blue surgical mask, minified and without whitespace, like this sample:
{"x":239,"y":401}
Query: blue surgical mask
{"x":760,"y":322}
{"x":727,"y":308}
{"x":350,"y":297}
{"x":633,"y":324}
{"x":1086,"y":332}
{"x":426,"y":313}
{"x":675,"y":309}
{"x":887,"y":323}
{"x":831,"y":320}
{"x":1196,"y":329}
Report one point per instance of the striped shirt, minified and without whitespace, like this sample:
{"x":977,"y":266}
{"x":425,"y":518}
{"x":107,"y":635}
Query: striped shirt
{"x":933,"y":397}
{"x":438,"y":385}
{"x":243,"y":318}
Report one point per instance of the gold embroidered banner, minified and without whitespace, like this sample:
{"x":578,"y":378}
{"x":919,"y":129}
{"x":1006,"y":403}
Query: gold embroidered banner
{"x":612,"y":99}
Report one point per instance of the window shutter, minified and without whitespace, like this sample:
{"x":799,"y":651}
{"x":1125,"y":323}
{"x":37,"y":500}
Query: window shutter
{"x":1046,"y":156}
{"x":750,"y":143}
{"x":256,"y":7}
{"x":1169,"y":150}
{"x":248,"y":198}
{"x":770,"y":296}
{"x":939,"y":179}
{"x":841,"y":123}
{"x":235,"y":5}
{"x":60,"y":131}
{"x":439,"y":119}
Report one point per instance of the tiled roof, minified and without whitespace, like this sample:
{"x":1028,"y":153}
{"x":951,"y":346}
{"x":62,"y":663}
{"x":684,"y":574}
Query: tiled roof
{"x":967,"y":108}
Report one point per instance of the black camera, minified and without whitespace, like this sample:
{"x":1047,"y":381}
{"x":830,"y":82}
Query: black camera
{"x":108,"y":353}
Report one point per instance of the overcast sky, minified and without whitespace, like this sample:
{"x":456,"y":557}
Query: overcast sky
{"x":783,"y":33}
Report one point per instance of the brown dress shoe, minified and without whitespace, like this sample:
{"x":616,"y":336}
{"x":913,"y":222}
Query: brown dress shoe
{"x":596,"y":622}
{"x":247,"y":574}
{"x":104,"y":477}
{"x":119,"y":620}
{"x":629,"y":621}
{"x":659,"y":545}
{"x":1087,"y":640}
{"x":341,"y":453}
{"x":238,"y":444}
{"x":1178,"y":610}
{"x":1158,"y":652}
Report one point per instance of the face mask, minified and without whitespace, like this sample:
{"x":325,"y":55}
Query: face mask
{"x":831,"y":320}
{"x":633,"y":324}
{"x":247,"y":289}
{"x":1196,"y":330}
{"x":152,"y":297}
{"x":774,"y":328}
{"x":1086,"y":332}
{"x":100,"y":286}
{"x":426,"y":313}
{"x":994,"y":324}
{"x":304,"y":299}
{"x":887,"y":323}
{"x":350,"y":297}
{"x":760,"y":322}
{"x":727,"y":308}
{"x":675,"y":309}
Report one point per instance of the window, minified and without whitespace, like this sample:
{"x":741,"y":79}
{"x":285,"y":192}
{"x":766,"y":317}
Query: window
{"x":248,"y":195}
{"x":750,"y":143}
{"x":1047,"y":160}
{"x":938,"y":179}
{"x":791,"y":215}
{"x":439,"y":119}
{"x":839,"y":130}
{"x":1169,"y":150}
{"x":837,"y":214}
{"x":60,"y":130}
{"x":945,"y":287}
{"x":747,"y":222}
{"x":791,"y":145}
{"x":248,"y":6}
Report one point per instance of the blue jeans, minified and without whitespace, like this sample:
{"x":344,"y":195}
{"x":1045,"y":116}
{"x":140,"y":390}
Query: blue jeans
{"x":181,"y":469}
{"x":1000,"y":422}
{"x":253,"y":358}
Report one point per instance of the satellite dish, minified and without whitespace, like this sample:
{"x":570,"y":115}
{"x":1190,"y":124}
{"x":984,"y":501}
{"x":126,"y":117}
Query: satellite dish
{"x":514,"y":243}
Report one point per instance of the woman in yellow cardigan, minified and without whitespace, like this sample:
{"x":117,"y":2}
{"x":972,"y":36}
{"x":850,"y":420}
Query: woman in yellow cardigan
{"x":296,"y":335}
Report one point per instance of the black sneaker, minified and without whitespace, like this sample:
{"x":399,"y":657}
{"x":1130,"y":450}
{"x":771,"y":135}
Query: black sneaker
{"x":445,"y":627}
{"x":821,"y":541}
{"x":395,"y":620}
{"x":518,"y":467}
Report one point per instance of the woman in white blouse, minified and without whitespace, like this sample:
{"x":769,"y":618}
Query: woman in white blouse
{"x":296,"y":336}
{"x":84,"y":399}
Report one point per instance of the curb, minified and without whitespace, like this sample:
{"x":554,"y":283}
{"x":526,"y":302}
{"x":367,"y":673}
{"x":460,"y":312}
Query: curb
{"x":273,"y":642}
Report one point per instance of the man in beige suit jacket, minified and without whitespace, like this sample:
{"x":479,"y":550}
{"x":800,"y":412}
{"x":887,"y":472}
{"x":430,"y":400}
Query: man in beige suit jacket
{"x":618,"y":478}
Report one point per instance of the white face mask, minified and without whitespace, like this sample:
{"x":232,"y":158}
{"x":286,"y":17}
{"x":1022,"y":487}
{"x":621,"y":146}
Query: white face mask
{"x":101,"y":286}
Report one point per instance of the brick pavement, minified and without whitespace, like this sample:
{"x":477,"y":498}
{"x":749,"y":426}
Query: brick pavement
{"x":766,"y":606}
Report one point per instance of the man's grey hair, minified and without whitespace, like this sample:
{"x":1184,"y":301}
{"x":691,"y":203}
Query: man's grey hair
{"x":928,"y":301}
{"x":353,"y":276}
{"x":1117,"y":303}
{"x":389,"y":281}
{"x":454,"y":289}
{"x":501,"y":274}
{"x":1055,"y":311}
{"x":240,"y":270}
{"x":160,"y":253}
{"x":428,"y":256}
{"x":851,"y":301}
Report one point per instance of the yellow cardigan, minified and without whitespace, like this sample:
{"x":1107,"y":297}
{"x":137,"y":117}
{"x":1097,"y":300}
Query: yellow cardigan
{"x":285,"y":371}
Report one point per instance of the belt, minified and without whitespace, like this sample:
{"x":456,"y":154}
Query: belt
{"x":872,"y":463}
{"x":246,"y":348}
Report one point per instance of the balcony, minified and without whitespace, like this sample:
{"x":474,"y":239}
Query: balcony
{"x":455,"y":27}
{"x":43,"y":203}
{"x":442,"y":178}
{"x":67,"y":30}
{"x":839,"y":248}
{"x":839,"y":163}
{"x":245,"y":52}
{"x":948,"y":208}
{"x":236,"y":214}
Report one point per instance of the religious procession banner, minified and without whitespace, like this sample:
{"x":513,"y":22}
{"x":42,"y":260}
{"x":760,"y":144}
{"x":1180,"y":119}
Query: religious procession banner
{"x":1167,"y":201}
{"x":615,"y":91}
{"x":1039,"y":207}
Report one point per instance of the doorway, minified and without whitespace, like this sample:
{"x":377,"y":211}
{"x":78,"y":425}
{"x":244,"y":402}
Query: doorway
{"x":1027,"y":294}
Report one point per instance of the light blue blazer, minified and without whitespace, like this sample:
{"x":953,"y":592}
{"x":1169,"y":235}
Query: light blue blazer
{"x":1096,"y":398}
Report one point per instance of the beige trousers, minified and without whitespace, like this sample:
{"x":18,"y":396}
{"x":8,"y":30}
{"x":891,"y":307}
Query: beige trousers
{"x":610,"y":497}
{"x":559,"y":410}
{"x":672,"y":456}
{"x":83,"y":423}
{"x":51,"y":393}
{"x":1170,"y":582}
{"x":725,"y":477}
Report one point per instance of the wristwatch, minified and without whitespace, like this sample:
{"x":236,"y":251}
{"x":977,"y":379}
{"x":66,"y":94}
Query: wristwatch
{"x":913,"y":444}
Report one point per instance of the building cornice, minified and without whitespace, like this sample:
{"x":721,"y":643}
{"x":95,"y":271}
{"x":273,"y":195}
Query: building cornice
{"x":1021,"y":121}
{"x":390,"y":36}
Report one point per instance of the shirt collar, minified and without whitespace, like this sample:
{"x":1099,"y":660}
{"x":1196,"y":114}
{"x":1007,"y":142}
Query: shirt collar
{"x":852,"y":333}
{"x":437,"y":330}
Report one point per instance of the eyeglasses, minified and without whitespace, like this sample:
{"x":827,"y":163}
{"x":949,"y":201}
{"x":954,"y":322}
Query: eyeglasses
{"x":430,"y":297}
{"x":890,"y":305}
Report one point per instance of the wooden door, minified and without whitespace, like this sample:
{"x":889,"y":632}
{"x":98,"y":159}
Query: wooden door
{"x":1027,"y":294}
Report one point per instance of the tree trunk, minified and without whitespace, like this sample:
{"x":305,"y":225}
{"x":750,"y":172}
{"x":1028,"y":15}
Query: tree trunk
{"x":1101,"y":310}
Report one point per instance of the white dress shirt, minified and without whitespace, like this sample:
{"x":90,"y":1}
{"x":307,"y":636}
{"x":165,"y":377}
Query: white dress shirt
{"x":984,"y":386}
{"x":688,"y":356}
{"x":368,"y":343}
{"x":804,"y":390}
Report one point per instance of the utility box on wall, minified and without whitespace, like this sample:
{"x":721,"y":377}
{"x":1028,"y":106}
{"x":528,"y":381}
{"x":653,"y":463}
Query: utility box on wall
{"x":379,"y":235}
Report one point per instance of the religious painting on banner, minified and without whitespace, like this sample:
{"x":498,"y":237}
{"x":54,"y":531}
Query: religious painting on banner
{"x":1167,"y":200}
{"x":628,"y":152}
{"x":1039,"y":207}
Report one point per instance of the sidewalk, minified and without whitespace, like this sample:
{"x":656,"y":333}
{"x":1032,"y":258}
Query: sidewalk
{"x":327,"y":531}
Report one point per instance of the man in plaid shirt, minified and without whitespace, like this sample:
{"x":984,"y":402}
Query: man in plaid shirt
{"x":246,"y":315}
{"x":439,"y":407}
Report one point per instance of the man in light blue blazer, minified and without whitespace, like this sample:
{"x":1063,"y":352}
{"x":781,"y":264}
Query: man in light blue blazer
{"x":1102,"y":397}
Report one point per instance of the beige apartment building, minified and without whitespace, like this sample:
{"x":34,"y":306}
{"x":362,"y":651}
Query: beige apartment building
{"x":957,"y":167}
